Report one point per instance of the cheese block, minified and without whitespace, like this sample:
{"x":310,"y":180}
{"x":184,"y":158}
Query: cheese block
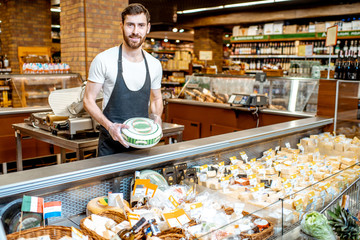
{"x":95,"y":207}
{"x":142,"y":132}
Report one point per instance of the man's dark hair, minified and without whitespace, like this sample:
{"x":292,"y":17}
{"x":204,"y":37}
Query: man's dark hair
{"x":135,"y":9}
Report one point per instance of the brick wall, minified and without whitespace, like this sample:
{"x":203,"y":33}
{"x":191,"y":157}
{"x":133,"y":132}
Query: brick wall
{"x":210,"y":39}
{"x":88,"y":28}
{"x":24,"y":23}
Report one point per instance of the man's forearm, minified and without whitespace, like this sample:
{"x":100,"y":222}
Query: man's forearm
{"x":96,"y":113}
{"x":157,"y":107}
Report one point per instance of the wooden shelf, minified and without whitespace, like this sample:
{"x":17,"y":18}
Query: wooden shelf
{"x":282,"y":56}
{"x":293,"y":37}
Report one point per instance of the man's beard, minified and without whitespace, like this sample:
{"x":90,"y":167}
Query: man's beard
{"x":132,"y":44}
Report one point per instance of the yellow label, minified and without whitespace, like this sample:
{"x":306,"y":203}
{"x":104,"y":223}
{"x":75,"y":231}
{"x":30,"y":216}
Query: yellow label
{"x":311,"y":196}
{"x":309,"y":173}
{"x":283,"y":180}
{"x":276,"y":163}
{"x":326,"y":186}
{"x":196,"y":205}
{"x":254,"y":189}
{"x":268,"y":158}
{"x":221,"y":164}
{"x":233,"y":167}
{"x":227,"y":178}
{"x":253,"y":160}
{"x":313,"y":163}
{"x":287,"y":185}
{"x":298,"y":144}
{"x":260,"y":185}
{"x":247,"y":167}
{"x":301,"y":167}
{"x":232,"y":158}
{"x":298,"y":202}
{"x":203,"y":167}
{"x":316,"y":149}
{"x":103,"y":202}
{"x":173,"y":201}
{"x":252,"y":176}
{"x":190,"y":191}
{"x":260,"y":167}
{"x":326,"y":135}
{"x":293,"y":176}
{"x":243,"y":153}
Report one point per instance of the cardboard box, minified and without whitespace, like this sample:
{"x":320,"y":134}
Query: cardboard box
{"x":347,"y":26}
{"x":355,"y":25}
{"x":303,"y":28}
{"x":320,"y":27}
{"x":329,"y":24}
{"x":235,"y":30}
{"x":290,"y":29}
{"x":312,"y":28}
{"x":278,"y":28}
{"x":253,"y":30}
{"x":268,"y":28}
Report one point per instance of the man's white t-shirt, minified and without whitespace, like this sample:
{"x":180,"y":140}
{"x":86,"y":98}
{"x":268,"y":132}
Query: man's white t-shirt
{"x":104,"y":70}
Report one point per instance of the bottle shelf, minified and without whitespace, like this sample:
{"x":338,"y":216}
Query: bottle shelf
{"x":294,"y":36}
{"x":281,"y":56}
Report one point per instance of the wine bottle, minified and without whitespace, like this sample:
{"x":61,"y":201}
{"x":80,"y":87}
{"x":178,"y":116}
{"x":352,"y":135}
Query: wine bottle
{"x":338,"y":67}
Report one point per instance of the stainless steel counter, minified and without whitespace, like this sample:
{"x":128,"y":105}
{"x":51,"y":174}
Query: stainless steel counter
{"x":11,"y":111}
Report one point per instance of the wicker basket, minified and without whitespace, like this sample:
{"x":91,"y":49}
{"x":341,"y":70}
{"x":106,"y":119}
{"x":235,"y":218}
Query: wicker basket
{"x":55,"y":232}
{"x":114,"y":215}
{"x":268,"y":232}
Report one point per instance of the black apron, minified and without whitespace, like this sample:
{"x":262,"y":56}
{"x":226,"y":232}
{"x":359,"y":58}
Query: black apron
{"x":122,"y":105}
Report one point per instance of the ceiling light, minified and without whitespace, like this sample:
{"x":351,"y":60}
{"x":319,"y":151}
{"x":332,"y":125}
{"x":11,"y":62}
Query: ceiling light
{"x":152,"y":40}
{"x":181,"y":30}
{"x":228,"y":44}
{"x":174,"y":29}
{"x":200,"y":10}
{"x":226,"y":35}
{"x":55,"y":9}
{"x":55,"y":26}
{"x":236,"y":5}
{"x":177,"y":41}
{"x":166,"y":40}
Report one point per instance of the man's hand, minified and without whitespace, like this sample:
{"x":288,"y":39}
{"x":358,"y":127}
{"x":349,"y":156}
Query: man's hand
{"x":115,"y":132}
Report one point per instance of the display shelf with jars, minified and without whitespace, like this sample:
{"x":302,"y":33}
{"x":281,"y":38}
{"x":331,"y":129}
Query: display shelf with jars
{"x":32,"y":90}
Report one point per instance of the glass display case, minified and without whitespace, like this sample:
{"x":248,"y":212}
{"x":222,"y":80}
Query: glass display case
{"x":288,"y":94}
{"x":347,"y":108}
{"x":32,"y":90}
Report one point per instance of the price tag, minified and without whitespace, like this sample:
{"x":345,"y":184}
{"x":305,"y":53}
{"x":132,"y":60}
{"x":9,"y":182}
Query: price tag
{"x":133,"y":218}
{"x":253,"y":162}
{"x":277,"y":166}
{"x":204,"y":168}
{"x":77,"y":235}
{"x":287,"y":145}
{"x":190,"y":191}
{"x":260,"y":186}
{"x":195,"y":205}
{"x":256,"y":193}
{"x":151,"y":189}
{"x":234,"y":160}
{"x":227,"y":178}
{"x":302,"y":149}
{"x":173,"y":201}
{"x":221,"y":164}
{"x":298,"y":204}
{"x":268,"y":161}
{"x":140,"y":188}
{"x":252,"y":180}
{"x":248,"y":169}
{"x":261,"y":169}
{"x":176,"y":218}
{"x":234,"y":169}
{"x":244,"y":156}
{"x":288,"y":188}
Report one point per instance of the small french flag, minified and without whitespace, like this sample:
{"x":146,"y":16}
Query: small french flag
{"x":52,"y":209}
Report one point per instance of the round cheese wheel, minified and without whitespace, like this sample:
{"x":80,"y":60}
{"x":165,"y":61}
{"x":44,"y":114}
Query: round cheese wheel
{"x":95,"y":207}
{"x":142,"y":132}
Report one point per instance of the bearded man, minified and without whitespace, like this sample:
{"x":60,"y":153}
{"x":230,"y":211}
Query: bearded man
{"x":130,"y":79}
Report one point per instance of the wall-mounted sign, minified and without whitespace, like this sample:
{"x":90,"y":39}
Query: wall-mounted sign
{"x":205,"y":55}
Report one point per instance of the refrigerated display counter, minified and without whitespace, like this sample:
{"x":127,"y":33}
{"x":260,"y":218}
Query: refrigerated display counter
{"x":76,"y":183}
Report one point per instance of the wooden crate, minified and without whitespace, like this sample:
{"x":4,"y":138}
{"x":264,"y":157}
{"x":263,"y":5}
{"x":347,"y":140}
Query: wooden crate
{"x":273,"y":73}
